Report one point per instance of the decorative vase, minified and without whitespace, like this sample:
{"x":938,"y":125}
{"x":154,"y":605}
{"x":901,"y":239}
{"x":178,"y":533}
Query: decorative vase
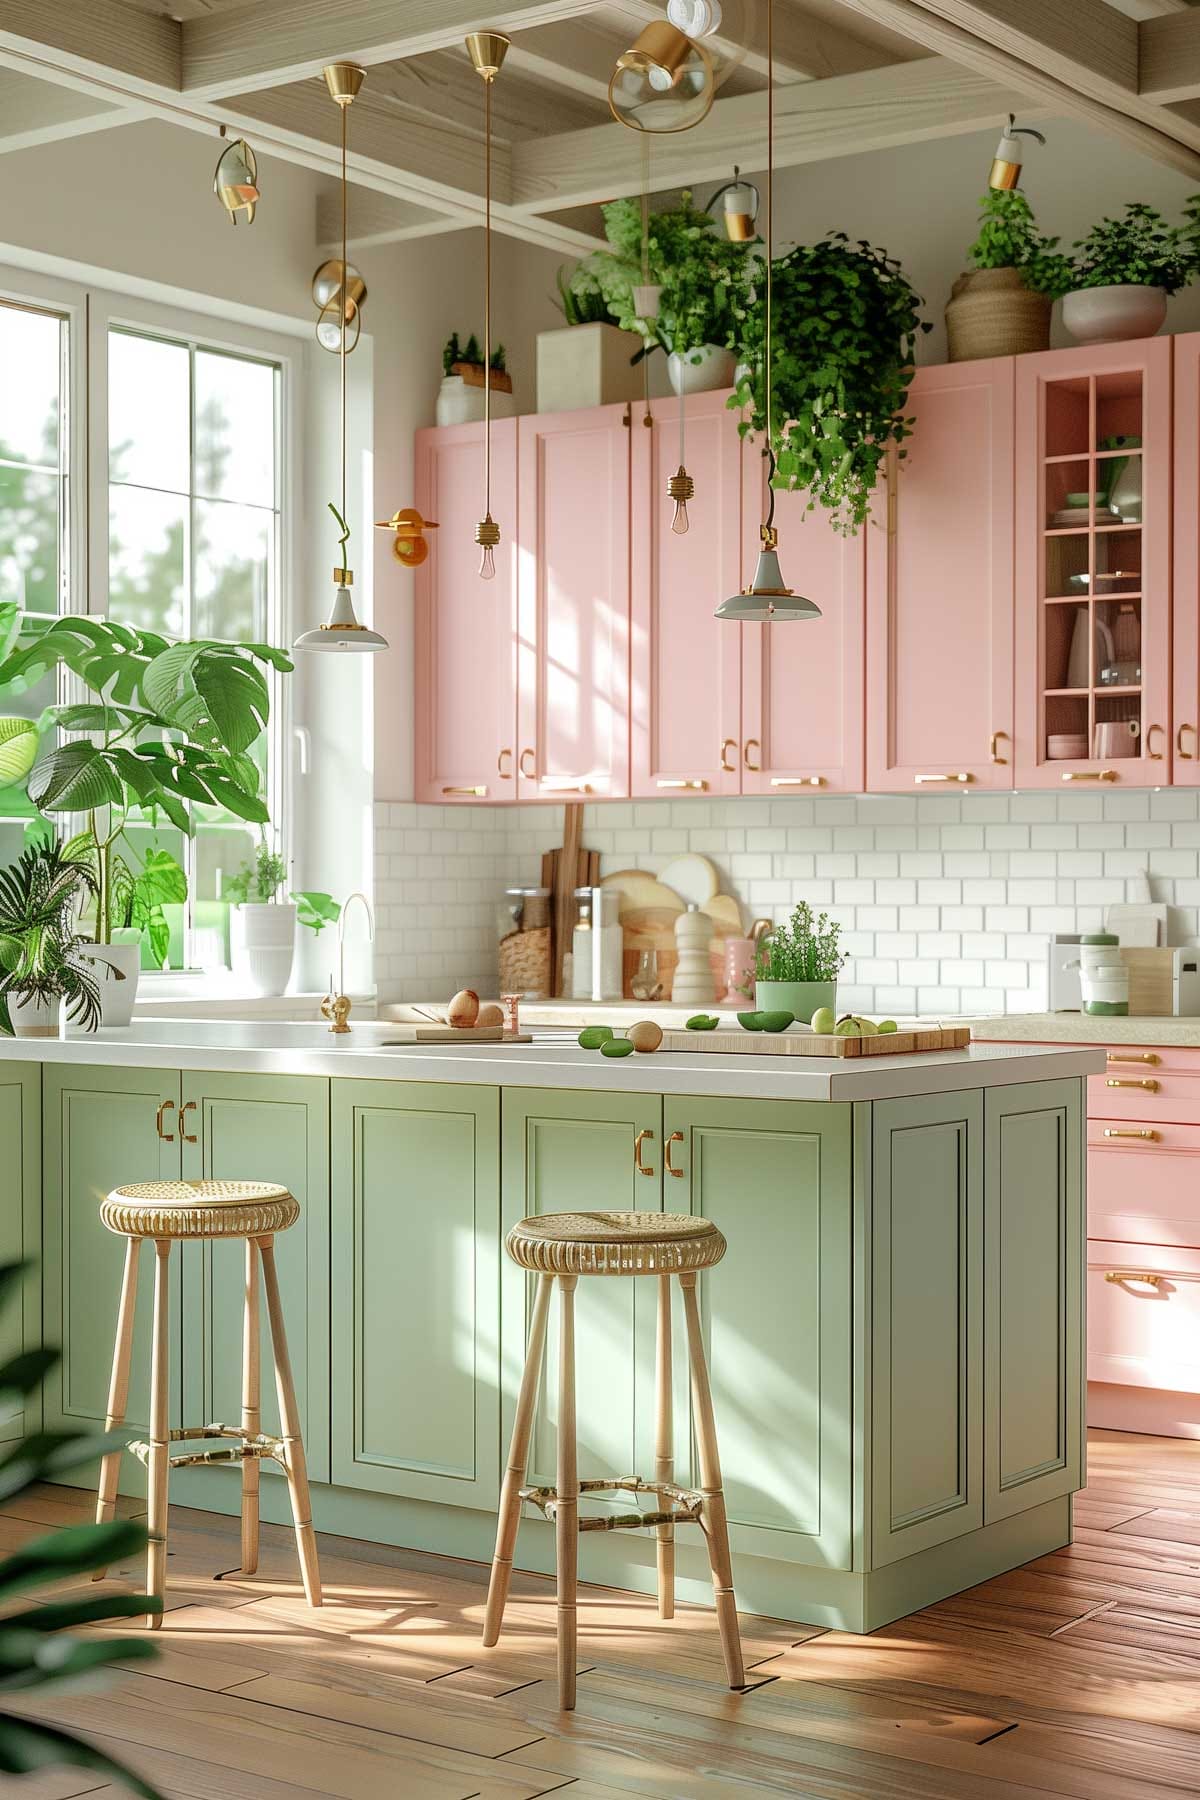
{"x":116,"y":971}
{"x":586,"y":365}
{"x":262,"y":941}
{"x":458,"y":404}
{"x":801,"y":998}
{"x":693,"y":984}
{"x":1111,"y":315}
{"x":740,"y":954}
{"x":701,"y":371}
{"x":36,"y":1018}
{"x":992,"y":313}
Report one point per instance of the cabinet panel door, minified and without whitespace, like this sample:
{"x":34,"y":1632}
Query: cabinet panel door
{"x":21,"y":1226}
{"x":1033,"y":1227}
{"x":802,"y":684}
{"x":1185,"y":631}
{"x":685,"y":701}
{"x":940,"y":590}
{"x":464,"y":628}
{"x":574,"y":1152}
{"x":775,"y":1176}
{"x":260,"y":1128}
{"x":415,"y":1249}
{"x":99,"y":1132}
{"x":927,"y":1294}
{"x":573,"y":533}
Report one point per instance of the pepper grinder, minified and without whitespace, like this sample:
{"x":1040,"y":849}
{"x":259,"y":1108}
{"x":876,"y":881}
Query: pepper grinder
{"x":693,"y":984}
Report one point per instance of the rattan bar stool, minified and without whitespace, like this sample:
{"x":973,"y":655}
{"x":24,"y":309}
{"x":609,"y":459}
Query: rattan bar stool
{"x":561,"y":1247}
{"x":168,"y":1211}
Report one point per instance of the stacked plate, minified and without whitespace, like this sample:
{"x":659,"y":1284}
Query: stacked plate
{"x":1067,"y":746}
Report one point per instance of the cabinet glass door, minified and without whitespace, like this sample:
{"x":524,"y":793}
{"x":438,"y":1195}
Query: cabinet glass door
{"x":1185,"y":581}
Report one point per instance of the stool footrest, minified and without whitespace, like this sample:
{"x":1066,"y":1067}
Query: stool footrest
{"x":688,"y":1505}
{"x":240,"y":1448}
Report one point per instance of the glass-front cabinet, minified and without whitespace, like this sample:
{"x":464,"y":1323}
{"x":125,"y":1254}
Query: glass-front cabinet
{"x":1093,"y":567}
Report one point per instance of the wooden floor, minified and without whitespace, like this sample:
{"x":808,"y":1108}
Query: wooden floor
{"x":1077,"y":1675}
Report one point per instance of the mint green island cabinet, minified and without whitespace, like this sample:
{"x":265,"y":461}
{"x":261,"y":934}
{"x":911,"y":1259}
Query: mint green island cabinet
{"x":894,"y":1335}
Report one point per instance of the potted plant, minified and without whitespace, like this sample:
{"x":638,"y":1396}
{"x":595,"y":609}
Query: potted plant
{"x":588,"y":361}
{"x":1002,"y":305}
{"x":1123,"y":271}
{"x":262,"y":928}
{"x":703,"y":296}
{"x":44,"y":964}
{"x":798,"y":965}
{"x":460,"y":397}
{"x":845,"y":329}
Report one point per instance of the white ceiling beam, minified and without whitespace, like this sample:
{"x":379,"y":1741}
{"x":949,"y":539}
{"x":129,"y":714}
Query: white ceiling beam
{"x":1093,"y":88}
{"x":99,"y":38}
{"x":376,"y":219}
{"x":1169,"y":57}
{"x":33,"y":113}
{"x":272,"y":42}
{"x":875,"y":110}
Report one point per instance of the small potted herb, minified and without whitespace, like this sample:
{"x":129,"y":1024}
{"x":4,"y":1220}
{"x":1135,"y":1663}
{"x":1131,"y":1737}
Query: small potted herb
{"x":1002,"y":305}
{"x":460,"y":397}
{"x":44,"y":964}
{"x":1123,"y":271}
{"x":262,"y":927}
{"x":798,"y":965}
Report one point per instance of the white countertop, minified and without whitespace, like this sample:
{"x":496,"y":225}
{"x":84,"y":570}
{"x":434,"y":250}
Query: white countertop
{"x":1081,"y":1028}
{"x":276,"y":1047}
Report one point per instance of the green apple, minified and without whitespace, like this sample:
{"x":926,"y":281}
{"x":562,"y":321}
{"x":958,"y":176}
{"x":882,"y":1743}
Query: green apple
{"x":823,"y":1020}
{"x":848,"y":1027}
{"x":868,"y":1027}
{"x":886,"y":1026}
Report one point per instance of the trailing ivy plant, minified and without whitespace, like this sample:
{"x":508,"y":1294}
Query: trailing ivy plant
{"x":1009,"y":239}
{"x":844,"y":331}
{"x":1140,"y":249}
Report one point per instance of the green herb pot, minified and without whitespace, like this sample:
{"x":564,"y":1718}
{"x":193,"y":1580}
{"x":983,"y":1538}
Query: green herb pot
{"x":799,"y":997}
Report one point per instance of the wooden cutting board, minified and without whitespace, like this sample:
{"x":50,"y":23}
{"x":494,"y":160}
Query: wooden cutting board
{"x":808,"y":1043}
{"x":466,"y":1034}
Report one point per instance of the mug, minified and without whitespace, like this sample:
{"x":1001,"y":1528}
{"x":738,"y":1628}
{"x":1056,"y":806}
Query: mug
{"x":1116,"y":738}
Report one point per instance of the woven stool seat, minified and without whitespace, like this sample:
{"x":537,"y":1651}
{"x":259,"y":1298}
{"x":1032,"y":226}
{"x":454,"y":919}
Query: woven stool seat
{"x":615,"y":1243}
{"x":199,"y":1209}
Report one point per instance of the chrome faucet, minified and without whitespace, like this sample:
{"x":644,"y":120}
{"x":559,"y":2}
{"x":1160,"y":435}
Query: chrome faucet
{"x":336,"y":1006}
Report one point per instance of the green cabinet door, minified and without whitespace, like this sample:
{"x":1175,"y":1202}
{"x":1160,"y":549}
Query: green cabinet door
{"x":259,"y":1128}
{"x":21,"y":1225}
{"x":415,"y":1297}
{"x":927,"y":1316}
{"x":100,"y":1130}
{"x":775,"y":1176}
{"x":577,"y":1152}
{"x":1033,"y":1226}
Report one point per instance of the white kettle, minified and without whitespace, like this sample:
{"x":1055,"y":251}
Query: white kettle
{"x":1079,"y":673}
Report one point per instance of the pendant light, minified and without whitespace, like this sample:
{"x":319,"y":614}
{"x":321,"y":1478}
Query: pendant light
{"x":342,"y":630}
{"x":767,"y":598}
{"x":235,"y":180}
{"x":740,"y":207}
{"x":487,"y":50}
{"x":1006,"y":164}
{"x":664,"y":82}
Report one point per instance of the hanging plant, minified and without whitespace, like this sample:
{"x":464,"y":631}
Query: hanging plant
{"x":845,"y":328}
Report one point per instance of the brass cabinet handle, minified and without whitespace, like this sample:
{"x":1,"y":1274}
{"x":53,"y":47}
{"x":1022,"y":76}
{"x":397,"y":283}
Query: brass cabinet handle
{"x":797,"y":781}
{"x":477,"y":793}
{"x":167,"y":1106}
{"x":676,"y":1137}
{"x":1179,"y":749}
{"x":698,"y":787}
{"x":1114,"y":1131}
{"x":502,"y":772}
{"x":189,"y":1137}
{"x":753,"y":767}
{"x":529,"y":774}
{"x":638,"y":1141}
{"x":994,"y":747}
{"x":963,"y":776}
{"x":1151,"y":1086}
{"x":1090,"y":775}
{"x":1153,"y":755}
{"x":565,"y":787}
{"x":1137,"y":1056}
{"x":1135,"y":1275}
{"x":727,"y":744}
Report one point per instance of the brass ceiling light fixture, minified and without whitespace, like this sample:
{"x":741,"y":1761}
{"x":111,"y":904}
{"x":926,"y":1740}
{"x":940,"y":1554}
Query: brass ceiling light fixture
{"x":767,"y":599}
{"x":338,"y":290}
{"x":235,"y":180}
{"x":487,"y":50}
{"x":1007,"y":162}
{"x":342,"y":630}
{"x":408,"y":529}
{"x":664,"y":82}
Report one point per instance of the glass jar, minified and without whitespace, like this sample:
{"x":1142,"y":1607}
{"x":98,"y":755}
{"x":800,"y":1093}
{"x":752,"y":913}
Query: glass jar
{"x":581,"y":947}
{"x":524,"y":942}
{"x":608,"y":945}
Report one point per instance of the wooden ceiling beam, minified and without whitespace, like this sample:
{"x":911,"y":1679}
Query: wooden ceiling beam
{"x":1169,"y":57}
{"x":104,"y":36}
{"x":33,"y":113}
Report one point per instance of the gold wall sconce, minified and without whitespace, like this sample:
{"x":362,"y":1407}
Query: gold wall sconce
{"x":235,"y":180}
{"x":409,"y":545}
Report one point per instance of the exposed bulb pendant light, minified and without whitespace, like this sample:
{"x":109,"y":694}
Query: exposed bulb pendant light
{"x":767,"y":598}
{"x":664,"y":81}
{"x":342,"y":630}
{"x":487,"y":50}
{"x":1006,"y":164}
{"x":235,"y":180}
{"x":739,"y":207}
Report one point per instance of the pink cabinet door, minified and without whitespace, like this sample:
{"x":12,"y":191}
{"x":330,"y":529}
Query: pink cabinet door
{"x":1185,"y":771}
{"x":684,"y":701}
{"x":802,"y":683}
{"x":465,"y":641}
{"x":573,"y":586}
{"x":940,"y":591}
{"x":1093,"y":519}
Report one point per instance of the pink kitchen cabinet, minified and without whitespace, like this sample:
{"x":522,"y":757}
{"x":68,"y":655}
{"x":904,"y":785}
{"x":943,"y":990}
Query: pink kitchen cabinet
{"x":685,"y":665}
{"x":465,"y":642}
{"x":1185,"y":767}
{"x":573,"y":586}
{"x":940,"y":591}
{"x":1093,"y":568}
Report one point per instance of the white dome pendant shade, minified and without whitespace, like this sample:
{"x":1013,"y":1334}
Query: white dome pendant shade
{"x":767,"y":600}
{"x":341,"y":631}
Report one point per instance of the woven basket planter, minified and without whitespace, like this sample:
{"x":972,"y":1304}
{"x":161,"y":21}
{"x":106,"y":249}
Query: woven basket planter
{"x":992,"y":313}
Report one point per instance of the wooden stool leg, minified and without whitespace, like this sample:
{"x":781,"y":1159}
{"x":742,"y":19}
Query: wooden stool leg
{"x":160,"y":1429}
{"x":664,"y":1449}
{"x":251,"y":1411}
{"x":566,"y":1513}
{"x":118,"y":1389}
{"x":716,"y":1530}
{"x":514,"y":1475}
{"x":289,"y":1415}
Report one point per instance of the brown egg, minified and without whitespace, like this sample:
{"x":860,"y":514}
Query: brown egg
{"x":463,"y":1010}
{"x":490,"y":1014}
{"x":645,"y":1036}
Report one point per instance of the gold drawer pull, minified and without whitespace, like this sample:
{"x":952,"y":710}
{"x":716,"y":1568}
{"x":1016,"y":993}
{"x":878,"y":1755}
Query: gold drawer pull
{"x":753,"y":767}
{"x":527,"y":774}
{"x":696,"y":786}
{"x":797,"y":781}
{"x":676,"y":1137}
{"x":477,"y":793}
{"x":963,"y":775}
{"x":1154,"y":755}
{"x":1135,"y":1275}
{"x":565,"y":787}
{"x":1150,"y":1085}
{"x":1142,"y":1056}
{"x":638,"y":1141}
{"x":1148,"y":1137}
{"x":727,"y":744}
{"x":1179,"y":749}
{"x":994,"y":747}
{"x":502,"y":772}
{"x":167,"y":1106}
{"x":1090,"y":775}
{"x":189,"y":1137}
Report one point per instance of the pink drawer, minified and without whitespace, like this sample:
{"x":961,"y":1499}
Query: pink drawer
{"x":1143,"y":1310}
{"x":1143,"y":1181}
{"x":1146,"y":1092}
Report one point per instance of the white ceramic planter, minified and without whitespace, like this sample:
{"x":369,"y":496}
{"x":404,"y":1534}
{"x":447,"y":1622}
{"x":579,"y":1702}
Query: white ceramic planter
{"x":36,"y":1018}
{"x":586,"y":365}
{"x":458,"y":404}
{"x":262,"y":943}
{"x":117,"y":995}
{"x":1110,"y":315}
{"x":701,"y":371}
